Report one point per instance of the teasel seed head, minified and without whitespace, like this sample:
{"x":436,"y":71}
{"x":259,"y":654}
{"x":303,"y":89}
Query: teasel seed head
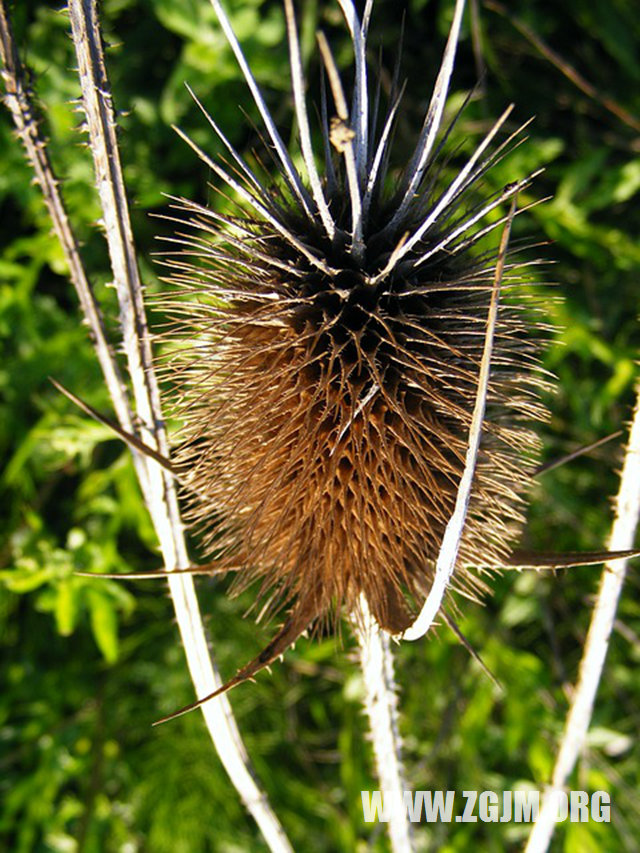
{"x":329,"y":338}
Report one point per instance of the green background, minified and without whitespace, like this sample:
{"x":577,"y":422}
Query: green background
{"x":88,"y":665}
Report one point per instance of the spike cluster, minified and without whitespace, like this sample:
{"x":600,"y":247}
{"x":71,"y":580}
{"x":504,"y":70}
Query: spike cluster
{"x":330,"y":340}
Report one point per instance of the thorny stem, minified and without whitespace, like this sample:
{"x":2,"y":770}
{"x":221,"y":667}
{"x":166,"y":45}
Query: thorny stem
{"x":156,"y":484}
{"x":627,"y":514}
{"x":18,"y":101}
{"x":381,"y":705}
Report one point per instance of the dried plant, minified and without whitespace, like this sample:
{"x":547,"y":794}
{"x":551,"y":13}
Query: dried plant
{"x":327,"y":341}
{"x":354,"y":363}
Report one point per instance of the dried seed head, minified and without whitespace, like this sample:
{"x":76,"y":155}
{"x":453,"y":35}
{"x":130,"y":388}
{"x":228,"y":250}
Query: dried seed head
{"x":331,"y":335}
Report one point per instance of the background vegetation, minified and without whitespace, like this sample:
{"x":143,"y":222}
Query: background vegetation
{"x":87,"y":665}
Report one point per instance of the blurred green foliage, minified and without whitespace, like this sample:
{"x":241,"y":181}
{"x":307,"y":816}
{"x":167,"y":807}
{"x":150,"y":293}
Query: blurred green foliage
{"x":88,"y":665}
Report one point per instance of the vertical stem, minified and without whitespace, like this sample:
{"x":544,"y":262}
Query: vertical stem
{"x":381,"y":706}
{"x":627,"y":512}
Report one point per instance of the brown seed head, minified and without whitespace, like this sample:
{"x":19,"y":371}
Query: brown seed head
{"x":330,"y":341}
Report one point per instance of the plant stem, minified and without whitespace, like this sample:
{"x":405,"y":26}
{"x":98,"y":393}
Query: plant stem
{"x":627,"y":513}
{"x":381,"y":706}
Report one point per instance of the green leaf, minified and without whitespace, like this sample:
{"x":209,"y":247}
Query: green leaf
{"x":104,"y":623}
{"x":66,"y":609}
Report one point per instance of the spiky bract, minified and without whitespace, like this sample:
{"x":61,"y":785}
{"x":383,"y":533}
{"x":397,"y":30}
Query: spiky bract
{"x":332,"y":333}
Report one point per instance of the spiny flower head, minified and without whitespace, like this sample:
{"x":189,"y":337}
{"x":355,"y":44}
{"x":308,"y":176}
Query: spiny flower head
{"x":333,"y":332}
